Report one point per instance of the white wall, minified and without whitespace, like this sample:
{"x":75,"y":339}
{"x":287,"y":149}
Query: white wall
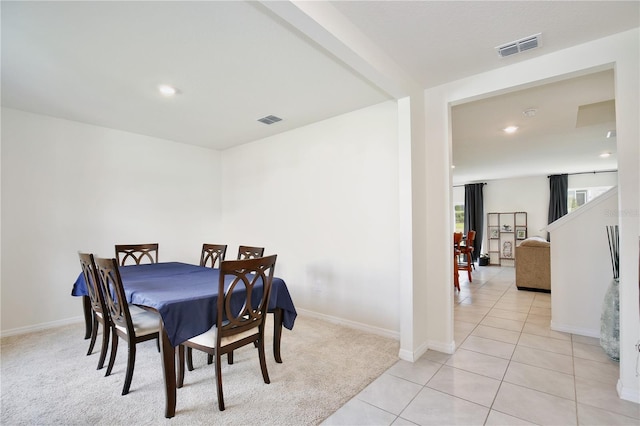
{"x":581,"y":265}
{"x":325,"y":199}
{"x":527,"y":194}
{"x":587,"y":180}
{"x":327,"y":194}
{"x":68,"y":186}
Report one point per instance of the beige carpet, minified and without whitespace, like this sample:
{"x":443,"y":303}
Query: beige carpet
{"x":46,"y":378}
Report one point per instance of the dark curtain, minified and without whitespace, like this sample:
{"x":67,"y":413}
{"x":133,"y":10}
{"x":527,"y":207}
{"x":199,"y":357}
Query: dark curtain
{"x":474,"y":214}
{"x":558,"y":185}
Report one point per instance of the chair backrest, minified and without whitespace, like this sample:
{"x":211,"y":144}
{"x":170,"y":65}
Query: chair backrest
{"x":248,"y":252}
{"x":471,"y":236}
{"x":457,"y":238}
{"x":113,"y":291}
{"x":137,"y":253}
{"x":213,"y":254}
{"x":93,"y":287}
{"x":239,"y":314}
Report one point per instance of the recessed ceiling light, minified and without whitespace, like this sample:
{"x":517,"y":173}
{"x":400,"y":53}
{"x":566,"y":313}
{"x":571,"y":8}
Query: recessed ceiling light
{"x":453,"y":167}
{"x":605,"y":155}
{"x":510,"y":129}
{"x":166,"y":90}
{"x":611,"y":134}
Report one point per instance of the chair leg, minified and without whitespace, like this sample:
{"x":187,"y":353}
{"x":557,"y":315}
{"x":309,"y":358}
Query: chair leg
{"x":470,"y":260}
{"x":230,"y":358}
{"x":219,"y":382}
{"x":181,"y":365}
{"x":94,"y":332}
{"x":114,"y":350}
{"x":131,"y":363}
{"x":263,"y":361}
{"x":105,"y":344}
{"x":209,"y":359}
{"x":189,"y":358}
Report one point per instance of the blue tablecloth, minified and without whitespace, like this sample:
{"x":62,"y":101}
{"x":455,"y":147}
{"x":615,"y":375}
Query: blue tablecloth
{"x":185,"y":296}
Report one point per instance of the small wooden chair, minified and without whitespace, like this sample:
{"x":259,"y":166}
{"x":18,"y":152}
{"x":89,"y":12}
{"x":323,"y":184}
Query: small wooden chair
{"x":248,"y":252}
{"x":238,"y":322}
{"x":99,"y":311}
{"x":212,"y":253}
{"x":137,"y":253}
{"x":132,"y":328}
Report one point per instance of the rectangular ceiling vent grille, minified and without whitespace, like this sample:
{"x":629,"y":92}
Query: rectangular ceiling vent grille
{"x":269,"y":119}
{"x":519,"y":46}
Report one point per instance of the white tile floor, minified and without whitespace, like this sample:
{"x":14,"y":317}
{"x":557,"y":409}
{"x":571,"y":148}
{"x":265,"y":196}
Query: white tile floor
{"x":509,"y":368}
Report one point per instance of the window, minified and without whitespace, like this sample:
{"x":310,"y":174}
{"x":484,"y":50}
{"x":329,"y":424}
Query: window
{"x":459,"y":211}
{"x":577,"y":197}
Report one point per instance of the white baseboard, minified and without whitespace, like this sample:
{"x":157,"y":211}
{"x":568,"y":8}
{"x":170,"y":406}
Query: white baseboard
{"x":407,"y":355}
{"x":353,"y":324}
{"x":588,"y":332}
{"x":404,"y":354}
{"x":447,"y":348}
{"x":628,"y":394}
{"x":413,"y":356}
{"x":41,"y":327}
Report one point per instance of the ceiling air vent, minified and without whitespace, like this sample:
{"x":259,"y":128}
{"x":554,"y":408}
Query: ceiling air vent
{"x":269,"y":119}
{"x":519,"y":46}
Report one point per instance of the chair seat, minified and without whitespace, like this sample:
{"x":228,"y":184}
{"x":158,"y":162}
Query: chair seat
{"x":208,"y":338}
{"x":144,"y":323}
{"x":135,"y":310}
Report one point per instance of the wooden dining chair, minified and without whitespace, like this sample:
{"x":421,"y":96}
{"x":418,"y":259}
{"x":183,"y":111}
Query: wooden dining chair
{"x":137,"y":253}
{"x":99,"y":311}
{"x":248,"y":252}
{"x":133,"y":329}
{"x":240,"y":318}
{"x":212,"y":254}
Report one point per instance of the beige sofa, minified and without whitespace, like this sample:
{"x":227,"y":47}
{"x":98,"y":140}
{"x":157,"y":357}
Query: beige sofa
{"x":533,"y":265}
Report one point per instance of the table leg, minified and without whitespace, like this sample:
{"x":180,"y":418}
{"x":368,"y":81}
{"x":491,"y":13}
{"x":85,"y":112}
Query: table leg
{"x":169,"y":370}
{"x":86,"y":307}
{"x":277,"y":334}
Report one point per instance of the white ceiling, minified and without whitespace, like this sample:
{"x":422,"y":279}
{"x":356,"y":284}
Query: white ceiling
{"x":235,"y":62}
{"x":553,"y":141}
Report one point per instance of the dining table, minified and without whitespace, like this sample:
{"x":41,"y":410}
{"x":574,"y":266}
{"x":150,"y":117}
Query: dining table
{"x":185,"y":296}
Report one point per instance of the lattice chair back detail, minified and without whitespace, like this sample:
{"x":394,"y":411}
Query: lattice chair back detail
{"x":213,"y":254}
{"x":248,"y":252}
{"x":138,"y":253}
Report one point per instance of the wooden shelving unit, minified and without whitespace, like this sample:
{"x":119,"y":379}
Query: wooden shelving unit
{"x":505,"y":230}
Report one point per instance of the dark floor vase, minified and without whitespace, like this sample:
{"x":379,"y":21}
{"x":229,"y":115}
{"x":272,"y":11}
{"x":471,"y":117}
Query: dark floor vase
{"x":610,"y":321}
